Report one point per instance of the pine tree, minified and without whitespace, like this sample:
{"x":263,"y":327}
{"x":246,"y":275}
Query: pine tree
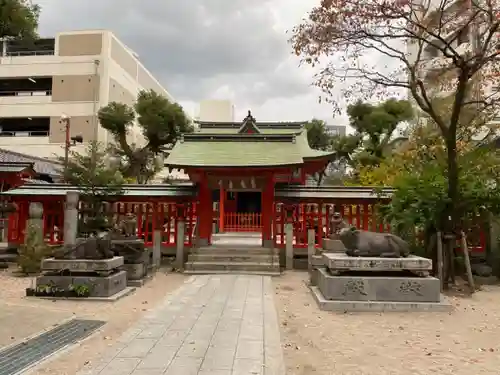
{"x":99,"y":182}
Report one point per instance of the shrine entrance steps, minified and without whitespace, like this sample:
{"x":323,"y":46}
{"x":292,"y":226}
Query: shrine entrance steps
{"x":234,"y":253}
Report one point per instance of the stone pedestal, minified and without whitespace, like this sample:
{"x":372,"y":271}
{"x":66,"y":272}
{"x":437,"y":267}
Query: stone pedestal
{"x":135,"y":271}
{"x":333,"y":246}
{"x":156,"y":259}
{"x":347,"y":283}
{"x":179,"y":254}
{"x":102,"y":276}
{"x":289,"y":246}
{"x":71,"y":218}
{"x":137,"y":259}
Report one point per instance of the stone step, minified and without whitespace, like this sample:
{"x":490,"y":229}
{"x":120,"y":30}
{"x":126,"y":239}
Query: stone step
{"x":223,"y":250}
{"x":233,"y":266}
{"x":225,"y":257}
{"x":226,"y":272}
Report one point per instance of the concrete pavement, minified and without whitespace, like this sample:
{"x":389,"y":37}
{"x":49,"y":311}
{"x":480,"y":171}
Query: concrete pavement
{"x":212,"y":325}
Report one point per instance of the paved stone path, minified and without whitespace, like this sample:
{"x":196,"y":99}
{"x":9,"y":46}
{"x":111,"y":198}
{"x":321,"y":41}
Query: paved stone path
{"x":212,"y":325}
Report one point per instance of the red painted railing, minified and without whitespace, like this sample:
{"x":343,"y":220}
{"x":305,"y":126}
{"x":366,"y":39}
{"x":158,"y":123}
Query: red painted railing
{"x":362,"y":216}
{"x":148,"y":215}
{"x":165,"y":215}
{"x":242,"y":222}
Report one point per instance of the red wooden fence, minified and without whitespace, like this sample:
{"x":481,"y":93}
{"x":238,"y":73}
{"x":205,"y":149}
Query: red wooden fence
{"x":242,"y":222}
{"x":145,"y":213}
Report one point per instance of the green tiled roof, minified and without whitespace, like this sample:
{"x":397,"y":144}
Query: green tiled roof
{"x":228,"y":144}
{"x":235,"y":131}
{"x":241,"y":150}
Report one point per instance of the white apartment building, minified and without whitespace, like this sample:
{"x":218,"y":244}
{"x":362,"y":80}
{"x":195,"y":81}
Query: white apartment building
{"x":73,"y":74}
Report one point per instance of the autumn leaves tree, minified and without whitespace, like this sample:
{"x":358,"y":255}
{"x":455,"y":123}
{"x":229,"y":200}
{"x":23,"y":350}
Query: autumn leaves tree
{"x":373,"y":48}
{"x":160,"y":121}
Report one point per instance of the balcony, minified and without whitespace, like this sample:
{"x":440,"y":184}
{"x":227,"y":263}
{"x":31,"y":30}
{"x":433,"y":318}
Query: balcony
{"x":38,"y":47}
{"x":25,"y":97}
{"x":21,"y":139}
{"x":30,"y":53}
{"x":21,"y":133}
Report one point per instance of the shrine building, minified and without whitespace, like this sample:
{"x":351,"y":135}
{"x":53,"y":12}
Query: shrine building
{"x":247,"y":180}
{"x":239,"y":166}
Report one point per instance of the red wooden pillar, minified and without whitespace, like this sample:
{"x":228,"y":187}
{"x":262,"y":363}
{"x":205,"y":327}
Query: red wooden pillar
{"x":267,"y":212}
{"x":205,"y":212}
{"x":222,"y":199}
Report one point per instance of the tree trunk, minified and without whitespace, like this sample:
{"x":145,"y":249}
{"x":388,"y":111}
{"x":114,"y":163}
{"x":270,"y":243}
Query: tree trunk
{"x":450,"y":215}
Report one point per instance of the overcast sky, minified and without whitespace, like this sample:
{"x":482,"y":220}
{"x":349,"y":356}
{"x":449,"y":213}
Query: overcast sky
{"x":208,"y":49}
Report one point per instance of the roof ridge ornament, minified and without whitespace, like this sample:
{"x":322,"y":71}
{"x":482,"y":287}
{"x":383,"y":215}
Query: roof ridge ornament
{"x":249,"y":125}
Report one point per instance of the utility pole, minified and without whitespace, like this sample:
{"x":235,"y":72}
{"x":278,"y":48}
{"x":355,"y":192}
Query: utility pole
{"x":69,"y":140}
{"x":67,"y":124}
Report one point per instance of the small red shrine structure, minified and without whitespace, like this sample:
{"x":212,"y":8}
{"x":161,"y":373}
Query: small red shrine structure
{"x":243,"y":163}
{"x":244,"y":177}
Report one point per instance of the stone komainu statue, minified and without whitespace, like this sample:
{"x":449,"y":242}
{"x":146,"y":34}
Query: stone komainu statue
{"x":336,"y":225}
{"x":360,"y":243}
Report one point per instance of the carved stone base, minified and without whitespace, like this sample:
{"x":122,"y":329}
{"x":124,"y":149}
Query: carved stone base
{"x":82,"y":265}
{"x":344,"y":262}
{"x":375,"y":306}
{"x":378,"y":288}
{"x":99,"y":286}
{"x":333,"y":246}
{"x":135,"y":271}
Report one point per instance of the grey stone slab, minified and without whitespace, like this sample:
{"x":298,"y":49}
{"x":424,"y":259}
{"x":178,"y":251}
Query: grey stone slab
{"x":229,"y":324}
{"x":81,"y":265}
{"x":172,"y":338}
{"x":137,"y":348}
{"x":248,"y":366}
{"x":153,"y":331}
{"x":178,"y":339}
{"x":339,"y":261}
{"x":148,"y":371}
{"x":250,"y":349}
{"x":218,"y":359}
{"x":373,"y":306}
{"x":195,"y":349}
{"x":253,"y":320}
{"x":225,"y":339}
{"x":379,"y":288}
{"x":182,"y":324}
{"x":120,"y":366}
{"x":252,"y":333}
{"x":184,"y":366}
{"x":158,"y":358}
{"x":273,"y":360}
{"x":200,"y":335}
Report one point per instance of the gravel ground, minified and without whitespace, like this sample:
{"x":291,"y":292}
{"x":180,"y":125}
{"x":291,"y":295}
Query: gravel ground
{"x":463,"y":342}
{"x":36,"y":315}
